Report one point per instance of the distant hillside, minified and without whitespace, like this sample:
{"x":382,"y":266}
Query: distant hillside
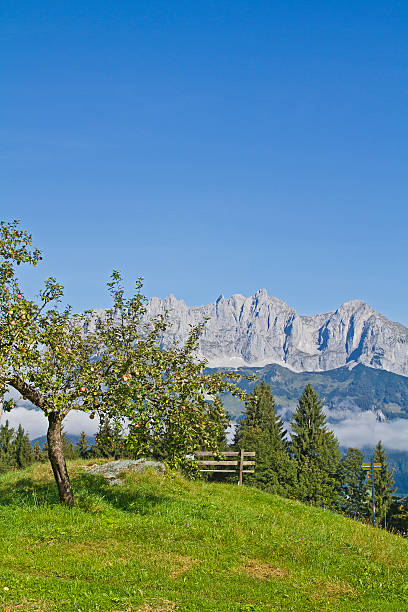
{"x":74,"y":439}
{"x":344,"y":392}
{"x":359,"y":388}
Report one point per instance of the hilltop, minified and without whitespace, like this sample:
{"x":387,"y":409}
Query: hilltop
{"x":162,"y":543}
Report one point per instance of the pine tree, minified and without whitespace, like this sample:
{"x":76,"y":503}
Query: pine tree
{"x":22,"y":449}
{"x":82,"y":446}
{"x":354,"y":494}
{"x":109,"y":439}
{"x":317,"y":452}
{"x":6,"y":447}
{"x":69,"y":449}
{"x":38,"y":453}
{"x":397,"y":517}
{"x":383,"y":485}
{"x":262,"y":431}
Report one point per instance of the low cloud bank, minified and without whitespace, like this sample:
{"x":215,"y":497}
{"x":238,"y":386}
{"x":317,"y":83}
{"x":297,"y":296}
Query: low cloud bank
{"x":364,"y":430}
{"x":355,"y":429}
{"x":35,"y":423}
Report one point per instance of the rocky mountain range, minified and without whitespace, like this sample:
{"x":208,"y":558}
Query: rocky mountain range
{"x":260,"y":330}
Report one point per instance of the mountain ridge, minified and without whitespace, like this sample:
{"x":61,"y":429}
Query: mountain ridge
{"x":259,"y":330}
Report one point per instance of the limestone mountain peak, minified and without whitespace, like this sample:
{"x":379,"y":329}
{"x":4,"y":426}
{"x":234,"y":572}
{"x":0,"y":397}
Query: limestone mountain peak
{"x":262,"y":329}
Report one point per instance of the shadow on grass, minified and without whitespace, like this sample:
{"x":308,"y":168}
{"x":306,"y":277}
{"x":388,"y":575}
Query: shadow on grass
{"x":141,"y":501}
{"x":26,"y":493}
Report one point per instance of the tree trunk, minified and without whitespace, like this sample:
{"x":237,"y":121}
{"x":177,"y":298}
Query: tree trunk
{"x":3,"y":387}
{"x":57,"y":459}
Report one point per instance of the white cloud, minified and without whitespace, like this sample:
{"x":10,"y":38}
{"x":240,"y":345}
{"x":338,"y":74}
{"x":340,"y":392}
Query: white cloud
{"x":35,"y":423}
{"x":230,"y":432}
{"x":78,"y":421}
{"x":364,"y":430}
{"x":355,"y":429}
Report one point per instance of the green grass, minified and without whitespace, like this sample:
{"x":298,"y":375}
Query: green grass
{"x":162,"y":543}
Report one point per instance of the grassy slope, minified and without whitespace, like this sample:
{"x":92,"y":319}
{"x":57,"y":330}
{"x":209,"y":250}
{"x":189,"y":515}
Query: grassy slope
{"x":163,"y":543}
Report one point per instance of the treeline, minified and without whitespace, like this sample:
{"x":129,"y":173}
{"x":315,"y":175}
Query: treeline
{"x":17,"y":452}
{"x":309,"y":466}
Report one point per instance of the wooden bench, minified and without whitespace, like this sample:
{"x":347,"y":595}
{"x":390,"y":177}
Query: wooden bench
{"x":237,"y":465}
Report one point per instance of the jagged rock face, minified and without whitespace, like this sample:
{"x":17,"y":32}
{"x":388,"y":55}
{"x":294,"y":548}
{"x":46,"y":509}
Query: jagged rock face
{"x":260,"y":330}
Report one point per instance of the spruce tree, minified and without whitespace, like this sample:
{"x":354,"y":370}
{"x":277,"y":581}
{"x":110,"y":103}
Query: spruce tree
{"x":397,"y":517}
{"x":262,"y":431}
{"x":6,"y":447}
{"x":354,"y":494}
{"x":384,"y":485}
{"x":82,"y":446}
{"x":109,"y":439}
{"x":38,"y":453}
{"x":68,"y":446}
{"x":317,"y":452}
{"x":22,"y":449}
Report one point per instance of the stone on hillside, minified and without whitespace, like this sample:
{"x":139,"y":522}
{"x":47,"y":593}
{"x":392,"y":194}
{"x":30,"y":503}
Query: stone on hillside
{"x":111,"y":469}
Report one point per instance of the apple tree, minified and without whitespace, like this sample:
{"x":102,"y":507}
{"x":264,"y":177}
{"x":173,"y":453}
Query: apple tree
{"x":111,"y":364}
{"x":44,"y":352}
{"x":172,"y":407}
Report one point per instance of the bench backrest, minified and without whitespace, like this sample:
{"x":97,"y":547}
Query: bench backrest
{"x":231,"y":465}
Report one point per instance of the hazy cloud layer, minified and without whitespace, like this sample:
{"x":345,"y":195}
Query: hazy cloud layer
{"x":35,"y":423}
{"x":364,"y":430}
{"x":356,"y":429}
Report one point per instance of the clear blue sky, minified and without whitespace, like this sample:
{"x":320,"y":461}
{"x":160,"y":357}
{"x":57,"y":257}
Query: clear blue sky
{"x":211,"y":147}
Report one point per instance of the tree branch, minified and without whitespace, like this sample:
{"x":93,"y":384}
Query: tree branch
{"x":29,"y":392}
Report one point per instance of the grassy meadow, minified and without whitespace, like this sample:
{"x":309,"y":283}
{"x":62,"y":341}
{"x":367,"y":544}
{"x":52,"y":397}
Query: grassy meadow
{"x":162,"y":543}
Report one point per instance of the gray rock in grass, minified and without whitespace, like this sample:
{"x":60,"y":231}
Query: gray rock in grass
{"x":111,"y":469}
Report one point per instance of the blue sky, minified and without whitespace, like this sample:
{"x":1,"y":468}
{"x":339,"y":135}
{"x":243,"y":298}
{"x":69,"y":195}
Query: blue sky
{"x":210,"y":147}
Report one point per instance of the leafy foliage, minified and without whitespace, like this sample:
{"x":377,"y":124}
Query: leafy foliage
{"x":112,"y":365}
{"x":171,"y":406}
